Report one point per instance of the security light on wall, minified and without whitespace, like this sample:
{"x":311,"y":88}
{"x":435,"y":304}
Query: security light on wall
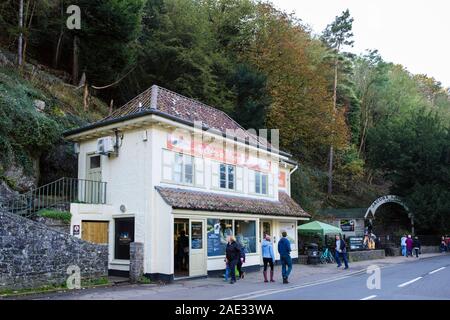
{"x":76,"y":148}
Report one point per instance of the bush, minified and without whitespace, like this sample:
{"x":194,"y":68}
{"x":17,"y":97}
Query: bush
{"x":55,"y":214}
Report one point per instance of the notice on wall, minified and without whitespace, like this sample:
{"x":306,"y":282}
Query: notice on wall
{"x":76,"y":230}
{"x":291,"y":230}
{"x":347,"y":225}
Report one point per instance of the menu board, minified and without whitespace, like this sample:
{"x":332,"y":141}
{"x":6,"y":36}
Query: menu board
{"x":356,"y":243}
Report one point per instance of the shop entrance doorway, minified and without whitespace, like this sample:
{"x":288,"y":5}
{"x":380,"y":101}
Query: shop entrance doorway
{"x":189,"y":248}
{"x":181,"y":248}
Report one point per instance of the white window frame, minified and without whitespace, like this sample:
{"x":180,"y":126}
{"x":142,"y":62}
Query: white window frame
{"x":259,"y":182}
{"x":183,"y":168}
{"x":227,"y":177}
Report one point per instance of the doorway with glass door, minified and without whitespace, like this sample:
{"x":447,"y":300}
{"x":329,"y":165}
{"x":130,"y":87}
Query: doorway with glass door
{"x":91,"y":188}
{"x":189,"y":248}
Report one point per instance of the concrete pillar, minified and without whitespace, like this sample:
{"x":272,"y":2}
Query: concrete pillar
{"x":136,"y":261}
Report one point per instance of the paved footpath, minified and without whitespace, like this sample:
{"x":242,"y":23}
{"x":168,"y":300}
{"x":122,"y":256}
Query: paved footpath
{"x":306,"y":282}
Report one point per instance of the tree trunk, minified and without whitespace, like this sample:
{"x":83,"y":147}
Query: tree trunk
{"x":75,"y":60}
{"x":86,"y":96}
{"x":20,"y":43}
{"x":58,"y":45}
{"x":58,"y":49}
{"x":111,"y":104}
{"x":331,"y":152}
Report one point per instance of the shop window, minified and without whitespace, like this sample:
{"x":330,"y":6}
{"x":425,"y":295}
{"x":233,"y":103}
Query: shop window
{"x":261,"y":180}
{"x":227,"y":174}
{"x":245,"y":232}
{"x":124,"y":235}
{"x":218,"y":230}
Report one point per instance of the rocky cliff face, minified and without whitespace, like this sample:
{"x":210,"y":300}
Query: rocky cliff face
{"x":36,"y":107}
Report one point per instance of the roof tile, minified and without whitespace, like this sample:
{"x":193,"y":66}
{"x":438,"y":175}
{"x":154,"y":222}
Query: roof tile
{"x":179,"y":198}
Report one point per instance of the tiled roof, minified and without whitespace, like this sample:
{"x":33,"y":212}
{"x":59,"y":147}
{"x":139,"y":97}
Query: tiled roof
{"x":187,"y":109}
{"x":207,"y":201}
{"x":355,"y":213}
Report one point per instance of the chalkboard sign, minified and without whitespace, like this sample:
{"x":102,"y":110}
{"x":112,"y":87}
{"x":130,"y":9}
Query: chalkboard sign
{"x":356,"y":243}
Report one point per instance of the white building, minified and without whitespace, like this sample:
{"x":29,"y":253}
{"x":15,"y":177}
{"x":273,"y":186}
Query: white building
{"x":169,"y":164}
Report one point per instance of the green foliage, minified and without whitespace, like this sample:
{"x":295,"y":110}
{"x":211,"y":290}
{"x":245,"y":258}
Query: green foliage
{"x":252,"y":98}
{"x":339,"y":33}
{"x":24,"y":132}
{"x":414,"y":152}
{"x":55,"y":214}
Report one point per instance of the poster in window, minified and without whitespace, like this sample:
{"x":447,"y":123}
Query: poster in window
{"x":217,"y":232}
{"x":196,"y":235}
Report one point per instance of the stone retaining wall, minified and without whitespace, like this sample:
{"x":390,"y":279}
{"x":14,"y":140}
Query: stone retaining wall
{"x":366,"y":255}
{"x":33,"y":255}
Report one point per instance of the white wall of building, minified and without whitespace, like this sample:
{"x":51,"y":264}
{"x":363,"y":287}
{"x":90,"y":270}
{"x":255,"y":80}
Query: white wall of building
{"x":131,"y":178}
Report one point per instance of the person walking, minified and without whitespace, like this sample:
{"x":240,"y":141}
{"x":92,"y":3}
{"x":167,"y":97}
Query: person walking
{"x":341,"y":252}
{"x":409,"y":246}
{"x":268,"y":257}
{"x":403,"y":245}
{"x":416,"y":246}
{"x":284,"y":249}
{"x":233,"y":254}
{"x":443,"y":245}
{"x":240,"y":262}
{"x":183,"y":251}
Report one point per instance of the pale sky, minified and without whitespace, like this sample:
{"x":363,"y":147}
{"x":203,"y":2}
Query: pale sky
{"x":414,"y":33}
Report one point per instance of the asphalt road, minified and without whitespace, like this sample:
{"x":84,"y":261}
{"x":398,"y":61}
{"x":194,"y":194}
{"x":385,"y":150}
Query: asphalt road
{"x":406,"y":279}
{"x":425,"y":279}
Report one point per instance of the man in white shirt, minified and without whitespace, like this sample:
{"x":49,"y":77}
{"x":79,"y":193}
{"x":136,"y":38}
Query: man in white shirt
{"x":403,"y":245}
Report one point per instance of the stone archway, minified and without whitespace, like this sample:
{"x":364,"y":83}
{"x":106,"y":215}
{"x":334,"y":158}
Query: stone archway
{"x":388,"y":199}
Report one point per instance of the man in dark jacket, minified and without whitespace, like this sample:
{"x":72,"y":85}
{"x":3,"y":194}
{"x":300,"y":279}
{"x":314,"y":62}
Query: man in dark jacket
{"x":341,"y":252}
{"x":233,"y":254}
{"x":284,"y":249}
{"x":241,"y":261}
{"x":416,"y":246}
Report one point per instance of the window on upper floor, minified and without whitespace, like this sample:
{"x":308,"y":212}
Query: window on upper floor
{"x":183,"y":169}
{"x":227,"y":176}
{"x":261,"y":183}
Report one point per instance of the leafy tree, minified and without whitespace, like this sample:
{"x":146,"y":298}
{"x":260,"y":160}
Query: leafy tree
{"x":337,"y":35}
{"x":252,"y":98}
{"x":414,"y":153}
{"x":296,"y":79}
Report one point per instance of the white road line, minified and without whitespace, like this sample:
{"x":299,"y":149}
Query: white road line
{"x":369,"y":297}
{"x":266,"y":293}
{"x":437,"y":270}
{"x":409,"y":282}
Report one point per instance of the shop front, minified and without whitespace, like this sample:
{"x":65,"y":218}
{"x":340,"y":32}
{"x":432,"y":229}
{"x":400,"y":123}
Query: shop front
{"x":200,"y":240}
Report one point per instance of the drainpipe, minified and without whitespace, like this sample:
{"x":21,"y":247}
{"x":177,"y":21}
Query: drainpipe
{"x":290,"y":174}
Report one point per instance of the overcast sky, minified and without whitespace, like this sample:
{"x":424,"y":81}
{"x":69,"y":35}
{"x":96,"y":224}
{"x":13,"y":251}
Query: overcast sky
{"x":414,"y":33}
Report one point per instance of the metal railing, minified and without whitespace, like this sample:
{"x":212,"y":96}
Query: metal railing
{"x":59,"y":195}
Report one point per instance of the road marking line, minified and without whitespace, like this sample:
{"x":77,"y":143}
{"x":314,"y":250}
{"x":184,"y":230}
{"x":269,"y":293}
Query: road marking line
{"x":437,"y":270}
{"x":253,"y":296}
{"x":369,"y":297}
{"x":409,"y":282}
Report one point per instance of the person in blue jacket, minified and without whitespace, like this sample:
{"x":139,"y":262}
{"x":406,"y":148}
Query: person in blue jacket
{"x":268,"y":257}
{"x":284,"y":249}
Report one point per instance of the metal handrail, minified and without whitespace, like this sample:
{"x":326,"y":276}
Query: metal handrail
{"x":58,"y":194}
